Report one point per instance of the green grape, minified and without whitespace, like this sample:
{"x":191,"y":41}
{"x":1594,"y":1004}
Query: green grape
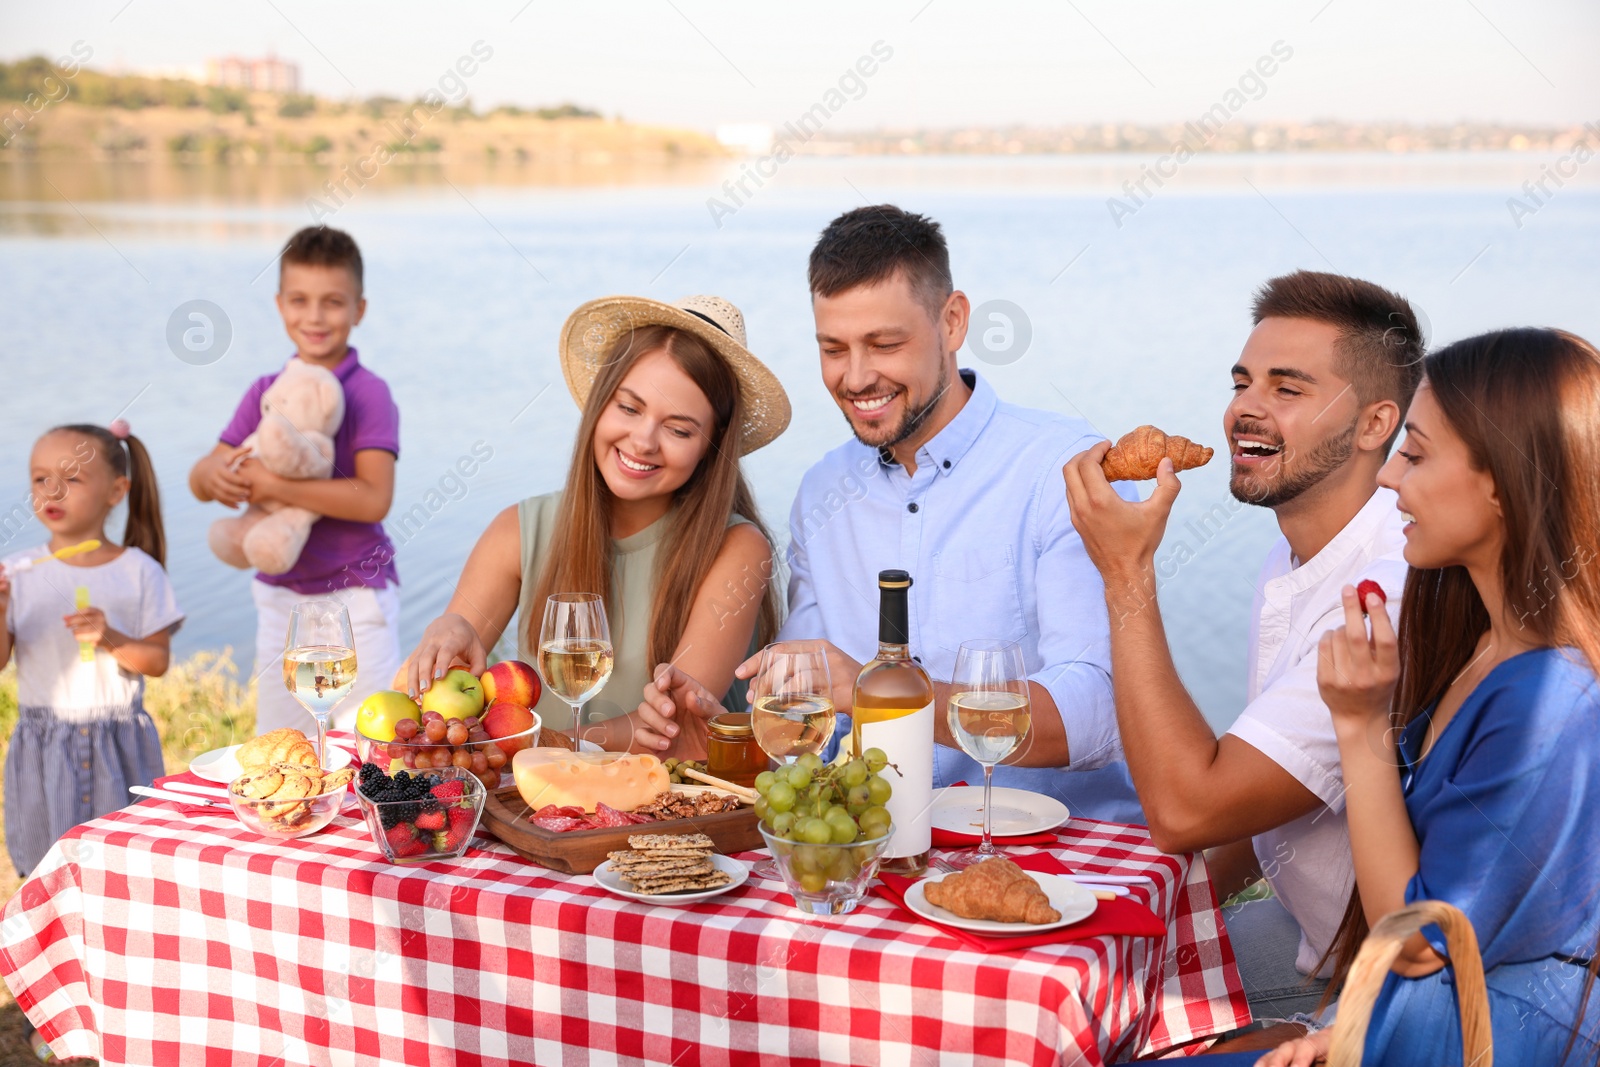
{"x":813,"y":882}
{"x":781,"y":797}
{"x":855,"y":773}
{"x":764,"y":781}
{"x":816,"y":831}
{"x":879,"y":790}
{"x":858,"y":800}
{"x":797,"y":776}
{"x":763,"y":809}
{"x":877,"y":759}
{"x":782,"y":823}
{"x":835,"y":811}
{"x":843,"y":828}
{"x":810,"y":761}
{"x":875,"y":821}
{"x":845,"y":867}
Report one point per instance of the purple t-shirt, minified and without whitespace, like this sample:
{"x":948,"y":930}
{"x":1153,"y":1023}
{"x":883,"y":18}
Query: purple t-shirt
{"x":338,"y":554}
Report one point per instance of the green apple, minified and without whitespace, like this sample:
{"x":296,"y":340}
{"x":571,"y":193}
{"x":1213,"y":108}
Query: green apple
{"x":455,"y":696}
{"x":378,"y":714}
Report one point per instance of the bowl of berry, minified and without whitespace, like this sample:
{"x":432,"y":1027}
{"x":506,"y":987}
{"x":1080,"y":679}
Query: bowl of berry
{"x":481,"y":745}
{"x":422,"y":817}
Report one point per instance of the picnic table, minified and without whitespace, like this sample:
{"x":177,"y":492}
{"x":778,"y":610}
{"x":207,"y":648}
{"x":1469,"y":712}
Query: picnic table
{"x":172,"y":936}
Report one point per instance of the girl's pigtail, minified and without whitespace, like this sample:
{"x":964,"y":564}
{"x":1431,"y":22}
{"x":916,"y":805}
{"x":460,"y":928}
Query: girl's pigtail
{"x":144,"y":530}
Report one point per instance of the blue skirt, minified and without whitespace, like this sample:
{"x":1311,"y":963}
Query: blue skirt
{"x":1532,"y":1009}
{"x":59,"y":773}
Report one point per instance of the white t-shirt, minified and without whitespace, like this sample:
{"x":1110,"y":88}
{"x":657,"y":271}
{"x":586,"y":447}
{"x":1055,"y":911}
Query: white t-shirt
{"x":1307,"y":861}
{"x":136,"y":596}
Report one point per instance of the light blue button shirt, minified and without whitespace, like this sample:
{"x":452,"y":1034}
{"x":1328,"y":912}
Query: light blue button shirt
{"x":984,"y":529}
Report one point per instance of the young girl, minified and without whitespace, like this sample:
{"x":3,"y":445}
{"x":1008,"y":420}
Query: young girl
{"x":83,"y":736}
{"x":1492,"y":683}
{"x":656,"y":516}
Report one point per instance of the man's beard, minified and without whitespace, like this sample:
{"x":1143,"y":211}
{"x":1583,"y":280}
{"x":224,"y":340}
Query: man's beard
{"x":911,"y":421}
{"x":1328,"y":456}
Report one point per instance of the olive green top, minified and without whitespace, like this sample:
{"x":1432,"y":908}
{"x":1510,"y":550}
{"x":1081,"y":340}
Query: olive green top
{"x":627,"y":611}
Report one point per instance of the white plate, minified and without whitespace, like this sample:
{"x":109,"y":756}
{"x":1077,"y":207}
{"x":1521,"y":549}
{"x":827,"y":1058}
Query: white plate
{"x":222,"y":764}
{"x":959,"y":809}
{"x":604,"y":875}
{"x":1074,"y":902}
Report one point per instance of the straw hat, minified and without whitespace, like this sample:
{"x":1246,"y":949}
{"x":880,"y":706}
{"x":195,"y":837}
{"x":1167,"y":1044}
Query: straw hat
{"x":590,"y":331}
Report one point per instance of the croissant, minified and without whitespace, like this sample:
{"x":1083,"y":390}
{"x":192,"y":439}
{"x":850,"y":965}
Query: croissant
{"x":284,"y":745}
{"x":995,"y":889}
{"x":1135,"y":456}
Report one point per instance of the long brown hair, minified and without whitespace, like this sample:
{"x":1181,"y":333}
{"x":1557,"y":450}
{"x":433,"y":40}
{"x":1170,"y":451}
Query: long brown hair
{"x":580,"y":552}
{"x":144,"y":530}
{"x":1527,"y":404}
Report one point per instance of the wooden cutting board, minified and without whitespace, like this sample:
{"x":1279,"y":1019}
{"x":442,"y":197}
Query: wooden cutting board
{"x":505,"y":815}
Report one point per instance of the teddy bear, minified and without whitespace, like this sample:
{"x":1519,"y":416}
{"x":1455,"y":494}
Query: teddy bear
{"x":300,"y":412}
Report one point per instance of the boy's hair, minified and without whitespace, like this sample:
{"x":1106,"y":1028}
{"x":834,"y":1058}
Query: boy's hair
{"x":322,"y":246}
{"x":871,"y":244}
{"x":1380,"y":345}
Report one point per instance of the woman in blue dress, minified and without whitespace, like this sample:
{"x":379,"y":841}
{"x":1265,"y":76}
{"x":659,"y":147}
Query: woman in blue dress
{"x":1488,"y":705}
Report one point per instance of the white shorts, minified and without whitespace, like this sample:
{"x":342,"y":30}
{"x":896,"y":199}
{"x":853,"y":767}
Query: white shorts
{"x":375,"y":619}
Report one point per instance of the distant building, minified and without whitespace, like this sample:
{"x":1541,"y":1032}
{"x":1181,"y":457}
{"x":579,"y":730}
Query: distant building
{"x":269,"y":75}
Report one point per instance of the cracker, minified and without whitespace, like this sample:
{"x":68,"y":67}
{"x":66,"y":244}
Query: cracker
{"x":680,"y":885}
{"x":656,"y":842}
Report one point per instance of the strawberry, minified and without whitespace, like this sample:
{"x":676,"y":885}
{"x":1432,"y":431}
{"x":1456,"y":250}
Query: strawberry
{"x":1366,"y":588}
{"x":449,"y":790}
{"x":403,"y":841}
{"x":462,"y":820}
{"x":431,"y":821}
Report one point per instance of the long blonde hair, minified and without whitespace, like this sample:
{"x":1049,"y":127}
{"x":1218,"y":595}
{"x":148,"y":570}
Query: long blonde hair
{"x":580,"y":554}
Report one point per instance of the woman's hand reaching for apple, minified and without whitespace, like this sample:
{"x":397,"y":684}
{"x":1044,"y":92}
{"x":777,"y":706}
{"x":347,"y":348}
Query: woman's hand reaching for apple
{"x":448,"y":641}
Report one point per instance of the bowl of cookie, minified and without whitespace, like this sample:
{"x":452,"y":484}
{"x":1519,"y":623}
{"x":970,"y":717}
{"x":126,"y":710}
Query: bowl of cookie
{"x":289,"y":800}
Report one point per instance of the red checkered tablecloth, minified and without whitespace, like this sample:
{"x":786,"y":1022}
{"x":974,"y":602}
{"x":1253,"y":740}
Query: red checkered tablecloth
{"x":160,"y":936}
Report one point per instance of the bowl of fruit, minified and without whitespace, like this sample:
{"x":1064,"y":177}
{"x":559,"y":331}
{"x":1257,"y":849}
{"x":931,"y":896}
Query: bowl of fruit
{"x":422,"y":817}
{"x":470,"y":723}
{"x":826,"y":827}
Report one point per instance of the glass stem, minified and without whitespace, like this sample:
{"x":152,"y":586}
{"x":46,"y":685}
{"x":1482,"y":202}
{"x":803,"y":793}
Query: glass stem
{"x":988,"y":817}
{"x":322,"y":741}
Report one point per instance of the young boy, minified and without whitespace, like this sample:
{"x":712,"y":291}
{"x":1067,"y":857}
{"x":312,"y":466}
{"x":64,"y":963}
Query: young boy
{"x":347,"y":557}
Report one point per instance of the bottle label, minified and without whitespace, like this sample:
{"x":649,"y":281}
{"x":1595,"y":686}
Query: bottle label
{"x":908,"y":742}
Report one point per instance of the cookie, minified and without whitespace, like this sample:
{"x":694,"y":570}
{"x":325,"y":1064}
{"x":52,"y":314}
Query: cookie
{"x":259,"y":786}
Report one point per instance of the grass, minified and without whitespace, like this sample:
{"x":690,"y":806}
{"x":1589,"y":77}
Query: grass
{"x":200,"y":704}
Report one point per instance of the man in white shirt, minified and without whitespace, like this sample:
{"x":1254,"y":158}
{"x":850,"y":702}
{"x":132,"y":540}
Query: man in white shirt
{"x":1319,"y":394}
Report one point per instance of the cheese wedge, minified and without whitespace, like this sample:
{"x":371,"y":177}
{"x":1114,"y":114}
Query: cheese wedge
{"x":584,"y":779}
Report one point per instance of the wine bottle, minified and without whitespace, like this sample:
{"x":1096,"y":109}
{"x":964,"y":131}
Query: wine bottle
{"x":893,"y":711}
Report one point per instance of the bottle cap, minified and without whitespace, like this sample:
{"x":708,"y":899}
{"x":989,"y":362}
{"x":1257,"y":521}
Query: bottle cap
{"x":894,"y":579}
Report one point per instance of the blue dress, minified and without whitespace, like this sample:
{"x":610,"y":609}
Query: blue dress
{"x":1506,"y":807}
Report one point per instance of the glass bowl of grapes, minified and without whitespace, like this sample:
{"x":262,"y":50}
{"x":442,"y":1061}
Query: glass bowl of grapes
{"x":826,"y":826}
{"x":432,"y":742}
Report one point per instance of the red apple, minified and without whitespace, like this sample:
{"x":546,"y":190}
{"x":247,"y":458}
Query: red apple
{"x":505,"y":720}
{"x":512,"y":681}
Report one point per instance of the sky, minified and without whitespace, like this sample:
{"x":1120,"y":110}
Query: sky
{"x":937,"y":64}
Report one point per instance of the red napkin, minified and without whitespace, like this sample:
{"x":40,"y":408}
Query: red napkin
{"x":1122,"y":917}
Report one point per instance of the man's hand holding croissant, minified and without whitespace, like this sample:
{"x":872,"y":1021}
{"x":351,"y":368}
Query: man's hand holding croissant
{"x":1121,"y":536}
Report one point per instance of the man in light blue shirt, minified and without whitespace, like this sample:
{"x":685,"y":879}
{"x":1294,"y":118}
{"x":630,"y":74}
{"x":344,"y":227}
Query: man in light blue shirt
{"x":965,"y":492}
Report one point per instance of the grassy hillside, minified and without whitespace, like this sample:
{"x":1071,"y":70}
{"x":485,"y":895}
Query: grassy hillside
{"x":49,"y":110}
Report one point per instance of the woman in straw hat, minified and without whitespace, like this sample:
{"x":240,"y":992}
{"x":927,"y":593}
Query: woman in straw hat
{"x":655,"y":517}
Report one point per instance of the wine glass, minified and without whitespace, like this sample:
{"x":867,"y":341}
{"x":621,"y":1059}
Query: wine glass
{"x":319,"y":661}
{"x":792,"y":707}
{"x":990,"y":715}
{"x":575,"y":654}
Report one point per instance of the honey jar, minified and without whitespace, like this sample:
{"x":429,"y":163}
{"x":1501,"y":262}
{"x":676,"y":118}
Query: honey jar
{"x":731,"y":750}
